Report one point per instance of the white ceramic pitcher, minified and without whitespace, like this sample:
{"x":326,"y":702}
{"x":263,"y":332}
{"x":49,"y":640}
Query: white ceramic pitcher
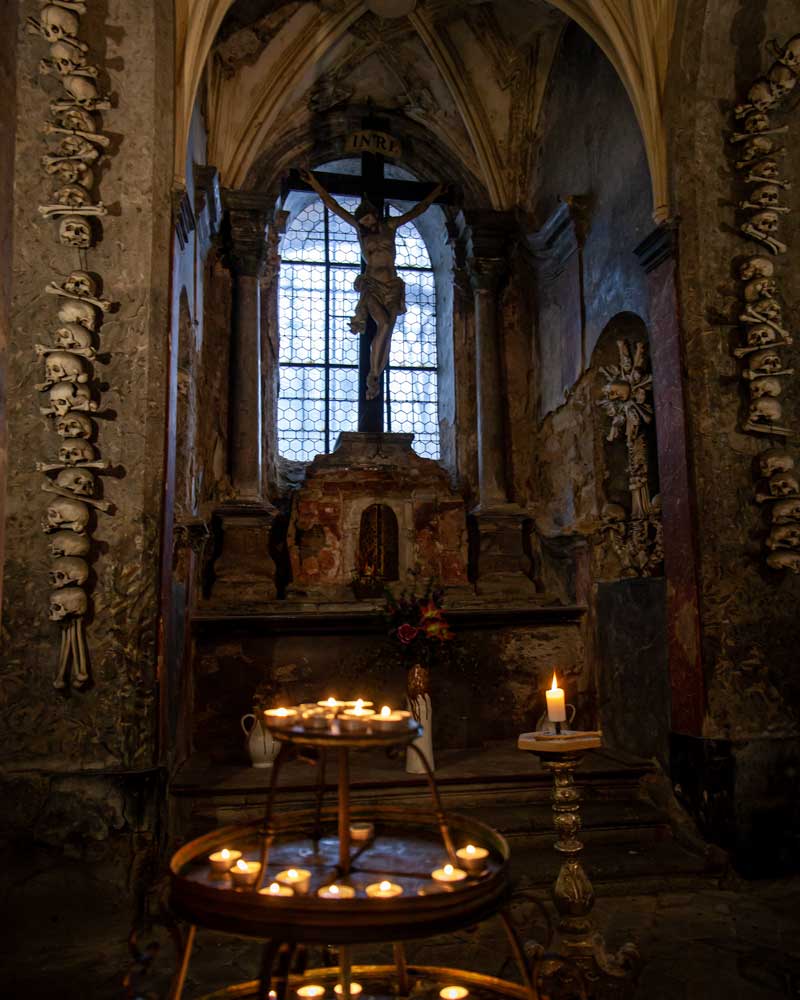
{"x":260,"y":745}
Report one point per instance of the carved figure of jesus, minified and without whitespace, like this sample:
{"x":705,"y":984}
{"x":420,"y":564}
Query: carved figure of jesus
{"x":382,"y":293}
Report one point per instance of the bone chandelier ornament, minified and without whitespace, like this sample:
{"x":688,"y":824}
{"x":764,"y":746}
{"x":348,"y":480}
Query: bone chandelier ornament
{"x":69,"y":378}
{"x":765,"y":370}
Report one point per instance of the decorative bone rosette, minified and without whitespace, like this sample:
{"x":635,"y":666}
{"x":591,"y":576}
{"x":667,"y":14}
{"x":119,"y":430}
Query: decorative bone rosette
{"x":70,"y":480}
{"x":765,"y":337}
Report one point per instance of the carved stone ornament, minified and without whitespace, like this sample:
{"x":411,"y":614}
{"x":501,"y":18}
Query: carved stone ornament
{"x":637,"y":541}
{"x":72,"y":492}
{"x":765,"y":370}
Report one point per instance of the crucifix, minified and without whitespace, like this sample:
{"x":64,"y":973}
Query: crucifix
{"x":381,"y":290}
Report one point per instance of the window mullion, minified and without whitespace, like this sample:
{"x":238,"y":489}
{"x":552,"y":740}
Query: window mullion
{"x":327,"y":332}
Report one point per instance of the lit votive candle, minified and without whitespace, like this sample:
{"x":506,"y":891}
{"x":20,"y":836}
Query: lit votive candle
{"x":384,"y":890}
{"x":453,"y":993}
{"x":333,"y":704}
{"x":556,"y":709}
{"x":387,"y":721}
{"x":281,"y":716}
{"x":472,"y":858}
{"x":336,"y":891}
{"x":297,"y":879}
{"x":223,"y":860}
{"x":311,"y":992}
{"x":245,"y":873}
{"x":362,"y":832}
{"x":448,"y":874}
{"x":276,"y":889}
{"x":355,"y":719}
{"x":355,"y":989}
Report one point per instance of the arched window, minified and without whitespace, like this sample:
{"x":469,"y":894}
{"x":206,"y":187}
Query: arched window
{"x":320,"y":259}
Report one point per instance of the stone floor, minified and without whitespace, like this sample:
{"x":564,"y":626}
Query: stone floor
{"x":737,"y":941}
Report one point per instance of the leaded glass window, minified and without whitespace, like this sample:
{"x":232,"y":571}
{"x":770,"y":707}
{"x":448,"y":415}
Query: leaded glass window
{"x":320,"y":259}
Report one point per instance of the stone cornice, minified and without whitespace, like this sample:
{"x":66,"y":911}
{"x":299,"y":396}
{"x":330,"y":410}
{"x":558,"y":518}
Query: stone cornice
{"x":660,"y":245}
{"x":249,"y":215}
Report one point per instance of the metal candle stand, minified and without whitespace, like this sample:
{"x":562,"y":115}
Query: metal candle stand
{"x":411,"y":844}
{"x":603,"y":976}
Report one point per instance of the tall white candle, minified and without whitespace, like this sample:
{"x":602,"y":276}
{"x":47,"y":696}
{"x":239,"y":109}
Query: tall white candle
{"x":556,"y":708}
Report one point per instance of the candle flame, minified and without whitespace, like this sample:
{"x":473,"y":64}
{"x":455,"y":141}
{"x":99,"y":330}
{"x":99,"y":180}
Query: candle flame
{"x":359,"y":704}
{"x":334,"y":890}
{"x":470,"y":849}
{"x":241,"y":865}
{"x":331,"y":702}
{"x":282,"y":711}
{"x":275,"y":889}
{"x":448,"y":869}
{"x":385,"y":886}
{"x":386,"y":712}
{"x":554,"y":685}
{"x":225,"y":853}
{"x":292,"y":873}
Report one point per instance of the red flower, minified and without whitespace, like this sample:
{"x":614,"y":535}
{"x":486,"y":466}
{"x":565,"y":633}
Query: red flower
{"x":407,"y":633}
{"x":437,"y":629}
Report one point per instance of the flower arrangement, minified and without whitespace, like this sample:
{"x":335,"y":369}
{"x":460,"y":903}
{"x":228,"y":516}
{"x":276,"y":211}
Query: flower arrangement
{"x":419,"y":624}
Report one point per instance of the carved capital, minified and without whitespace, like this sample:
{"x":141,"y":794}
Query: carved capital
{"x":486,"y":273}
{"x":248,"y":218}
{"x":490,"y":234}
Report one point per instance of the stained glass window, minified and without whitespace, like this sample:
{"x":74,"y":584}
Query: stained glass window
{"x":320,"y":259}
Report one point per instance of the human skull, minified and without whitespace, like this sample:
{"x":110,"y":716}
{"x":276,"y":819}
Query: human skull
{"x":786,"y":512}
{"x":64,"y":396}
{"x":71,"y":172}
{"x":758,"y":146}
{"x":775,"y":460}
{"x":756,"y":267}
{"x":618,"y":391}
{"x":765,"y":411}
{"x":68,"y":571}
{"x":765,"y":361}
{"x":78,"y":119}
{"x":73,"y":336}
{"x":790,"y":56}
{"x":784,"y":559}
{"x":64,"y":367}
{"x":771,"y":310}
{"x":782,"y":81}
{"x":761,"y":387}
{"x":80,"y":283}
{"x":58,"y":23}
{"x":74,"y":450}
{"x":766,"y":222}
{"x":78,"y":481}
{"x":67,"y":603}
{"x":77,"y":147}
{"x":82,"y":90}
{"x":72,"y":196}
{"x":766,"y":195}
{"x":783,"y":484}
{"x":759,"y":288}
{"x":78,"y":312}
{"x":760,"y":335}
{"x":757,"y":122}
{"x":75,"y":231}
{"x":768,"y":169}
{"x":67,"y":543}
{"x":67,"y":515}
{"x":786,"y":536}
{"x":76,"y":425}
{"x":761,"y":95}
{"x":67,"y":58}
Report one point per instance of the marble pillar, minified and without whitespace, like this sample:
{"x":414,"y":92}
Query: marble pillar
{"x":502,"y":563}
{"x":244,"y":572}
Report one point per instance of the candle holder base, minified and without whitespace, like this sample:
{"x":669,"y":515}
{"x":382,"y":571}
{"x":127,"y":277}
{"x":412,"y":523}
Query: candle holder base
{"x":580,"y":965}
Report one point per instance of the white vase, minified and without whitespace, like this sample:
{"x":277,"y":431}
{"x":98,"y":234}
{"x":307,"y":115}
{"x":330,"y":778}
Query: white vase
{"x":260,"y":745}
{"x":422,"y":711}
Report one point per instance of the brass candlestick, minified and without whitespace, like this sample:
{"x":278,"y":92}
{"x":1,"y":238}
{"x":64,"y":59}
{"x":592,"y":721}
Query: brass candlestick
{"x":604,"y":976}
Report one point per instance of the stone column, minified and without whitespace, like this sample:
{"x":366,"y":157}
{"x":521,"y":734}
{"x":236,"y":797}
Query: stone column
{"x":244,"y":573}
{"x":502,"y":562}
{"x":657,"y":256}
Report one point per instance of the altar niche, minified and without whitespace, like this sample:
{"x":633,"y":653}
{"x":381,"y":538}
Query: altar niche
{"x":378,"y":559}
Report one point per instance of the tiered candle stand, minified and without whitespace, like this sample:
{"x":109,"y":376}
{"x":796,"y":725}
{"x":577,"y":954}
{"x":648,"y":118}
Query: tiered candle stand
{"x":334,"y":896}
{"x":604,"y":976}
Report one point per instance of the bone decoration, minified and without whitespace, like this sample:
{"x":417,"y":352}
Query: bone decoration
{"x":70,"y":164}
{"x":763,"y":205}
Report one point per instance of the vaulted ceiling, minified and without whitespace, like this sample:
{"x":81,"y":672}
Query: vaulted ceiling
{"x":467,"y":78}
